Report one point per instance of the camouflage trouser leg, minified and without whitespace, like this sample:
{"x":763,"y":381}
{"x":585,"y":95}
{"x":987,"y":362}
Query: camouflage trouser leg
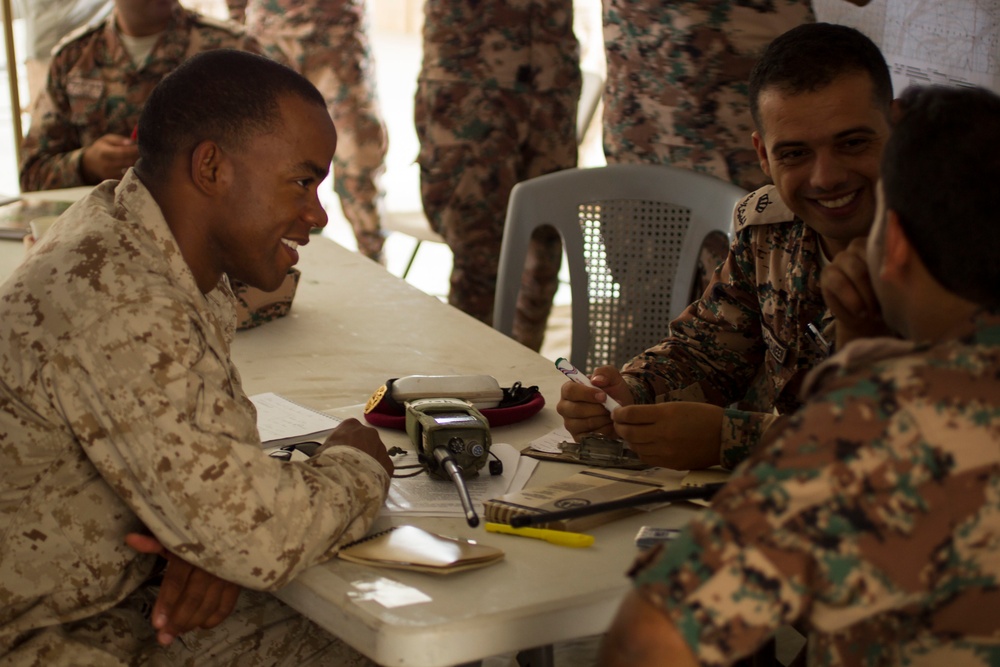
{"x":466,"y":176}
{"x":539,"y":283}
{"x":348,"y":83}
{"x":340,"y":64}
{"x":261,"y":632}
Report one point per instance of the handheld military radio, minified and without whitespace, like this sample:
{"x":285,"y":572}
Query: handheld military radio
{"x":452,"y":439}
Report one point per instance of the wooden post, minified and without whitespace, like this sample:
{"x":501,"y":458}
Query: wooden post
{"x":15,"y":97}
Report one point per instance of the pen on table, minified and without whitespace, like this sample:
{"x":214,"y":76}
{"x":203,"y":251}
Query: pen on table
{"x":820,"y":340}
{"x":570,"y":371}
{"x":560,"y":537}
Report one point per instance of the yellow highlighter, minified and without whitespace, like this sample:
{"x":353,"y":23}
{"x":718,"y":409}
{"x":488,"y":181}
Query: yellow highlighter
{"x":560,"y":537}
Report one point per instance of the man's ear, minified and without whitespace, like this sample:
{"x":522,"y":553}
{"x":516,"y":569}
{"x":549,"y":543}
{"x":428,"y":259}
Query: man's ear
{"x":897,"y":253}
{"x":210,"y":167}
{"x":758,"y":145}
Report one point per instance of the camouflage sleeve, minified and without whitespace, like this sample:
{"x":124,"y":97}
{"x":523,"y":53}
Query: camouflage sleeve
{"x":712,"y":355}
{"x":51,"y":151}
{"x":157,"y":412}
{"x":746,"y":566}
{"x":715,"y":347}
{"x":742,"y":431}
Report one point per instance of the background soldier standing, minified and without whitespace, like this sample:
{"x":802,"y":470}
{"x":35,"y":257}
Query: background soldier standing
{"x":495,"y":105}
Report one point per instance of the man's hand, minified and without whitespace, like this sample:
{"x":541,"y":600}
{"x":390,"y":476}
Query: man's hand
{"x":582,"y":407}
{"x":848,"y":292}
{"x":189,"y":597}
{"x":678,"y":435}
{"x":108,"y":157}
{"x":352,"y":433}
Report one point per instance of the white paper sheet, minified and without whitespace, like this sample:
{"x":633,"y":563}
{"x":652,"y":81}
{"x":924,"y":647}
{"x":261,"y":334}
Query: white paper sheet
{"x":281,"y":421}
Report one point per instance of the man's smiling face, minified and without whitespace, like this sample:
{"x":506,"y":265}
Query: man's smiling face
{"x":273,"y":200}
{"x":822,"y":150}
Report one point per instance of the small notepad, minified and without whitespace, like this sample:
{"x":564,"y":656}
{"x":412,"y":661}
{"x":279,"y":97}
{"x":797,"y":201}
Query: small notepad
{"x":412,"y":548}
{"x":284,"y":422}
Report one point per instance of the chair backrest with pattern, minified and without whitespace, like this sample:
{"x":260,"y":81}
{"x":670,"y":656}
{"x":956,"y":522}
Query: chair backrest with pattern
{"x":632,"y":235}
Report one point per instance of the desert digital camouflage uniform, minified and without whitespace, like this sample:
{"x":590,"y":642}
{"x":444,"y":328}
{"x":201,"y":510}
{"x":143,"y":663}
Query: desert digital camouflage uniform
{"x":747,"y":338}
{"x":676,"y":91}
{"x":94,"y":89}
{"x":873,"y":516}
{"x":495,"y":105}
{"x":121,"y":411}
{"x":327,"y":42}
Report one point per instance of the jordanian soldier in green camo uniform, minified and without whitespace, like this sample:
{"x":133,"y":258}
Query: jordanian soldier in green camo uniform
{"x":495,"y":105}
{"x":822,"y":95}
{"x":871,"y":518}
{"x":327,"y":42}
{"x":95,"y":92}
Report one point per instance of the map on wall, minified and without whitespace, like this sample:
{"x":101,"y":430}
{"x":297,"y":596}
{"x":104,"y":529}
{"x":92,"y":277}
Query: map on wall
{"x":954,"y":42}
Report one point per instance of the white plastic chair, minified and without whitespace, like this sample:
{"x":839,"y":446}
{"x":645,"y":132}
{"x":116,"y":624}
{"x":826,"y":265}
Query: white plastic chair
{"x":631,"y":233}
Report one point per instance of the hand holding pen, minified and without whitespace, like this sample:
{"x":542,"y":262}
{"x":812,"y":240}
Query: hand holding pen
{"x":578,"y":404}
{"x":570,"y":371}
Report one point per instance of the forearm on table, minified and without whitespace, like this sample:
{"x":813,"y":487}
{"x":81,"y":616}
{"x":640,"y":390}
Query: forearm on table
{"x":184,"y":454}
{"x":680,"y":371}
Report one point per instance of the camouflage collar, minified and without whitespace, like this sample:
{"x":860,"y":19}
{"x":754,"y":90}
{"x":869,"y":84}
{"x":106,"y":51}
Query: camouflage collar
{"x":982,"y":329}
{"x":763,"y":206}
{"x":134,"y":205}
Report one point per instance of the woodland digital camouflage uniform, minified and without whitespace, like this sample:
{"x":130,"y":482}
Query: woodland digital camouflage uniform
{"x":327,"y":42}
{"x":873,"y":517}
{"x":94,"y":89}
{"x":677,"y":81}
{"x":495,"y":105}
{"x":747,"y":339}
{"x":121,"y":411}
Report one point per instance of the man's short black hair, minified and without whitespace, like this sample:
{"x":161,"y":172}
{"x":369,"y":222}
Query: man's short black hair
{"x":811,"y":56}
{"x":940,"y":171}
{"x":224,"y":95}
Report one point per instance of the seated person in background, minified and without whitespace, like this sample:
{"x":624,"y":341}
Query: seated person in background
{"x":121,"y":411}
{"x":820,"y":97}
{"x":99,"y":78}
{"x":872,"y":515}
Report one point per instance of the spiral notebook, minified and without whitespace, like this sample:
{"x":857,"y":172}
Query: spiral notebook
{"x":281,"y":421}
{"x":412,"y":548}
